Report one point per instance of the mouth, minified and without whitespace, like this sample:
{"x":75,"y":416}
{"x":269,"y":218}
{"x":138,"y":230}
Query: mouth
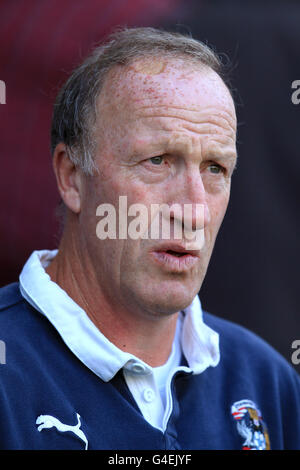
{"x":176,"y":253}
{"x":175,"y":258}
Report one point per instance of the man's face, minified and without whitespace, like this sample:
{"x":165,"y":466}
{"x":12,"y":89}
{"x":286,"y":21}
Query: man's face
{"x":165,"y":134}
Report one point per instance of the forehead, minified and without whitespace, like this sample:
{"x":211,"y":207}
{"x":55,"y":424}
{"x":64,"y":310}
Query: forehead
{"x":155,"y":98}
{"x":170,"y":82}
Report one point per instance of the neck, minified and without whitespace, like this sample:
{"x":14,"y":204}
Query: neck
{"x":148,"y":337}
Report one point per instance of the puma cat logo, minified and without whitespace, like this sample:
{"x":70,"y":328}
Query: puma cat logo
{"x":47,"y":422}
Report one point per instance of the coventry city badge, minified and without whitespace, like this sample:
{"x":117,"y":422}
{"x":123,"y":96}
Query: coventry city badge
{"x":250,"y":425}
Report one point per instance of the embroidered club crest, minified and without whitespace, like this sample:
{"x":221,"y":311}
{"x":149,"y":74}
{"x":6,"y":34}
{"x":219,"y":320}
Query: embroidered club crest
{"x":250,"y":425}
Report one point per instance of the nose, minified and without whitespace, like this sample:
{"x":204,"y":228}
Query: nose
{"x":191,"y":202}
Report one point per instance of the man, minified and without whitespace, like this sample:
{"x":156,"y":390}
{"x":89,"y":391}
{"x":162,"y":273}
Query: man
{"x":107,"y":345}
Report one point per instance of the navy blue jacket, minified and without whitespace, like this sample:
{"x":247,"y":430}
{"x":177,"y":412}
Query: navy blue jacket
{"x":42,"y":377}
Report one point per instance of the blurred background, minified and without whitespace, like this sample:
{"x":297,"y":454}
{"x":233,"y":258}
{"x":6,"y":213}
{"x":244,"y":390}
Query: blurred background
{"x":253,"y":278}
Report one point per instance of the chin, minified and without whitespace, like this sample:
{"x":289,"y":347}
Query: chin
{"x":169,"y":297}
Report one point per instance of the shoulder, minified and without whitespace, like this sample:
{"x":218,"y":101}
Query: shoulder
{"x":14,"y":310}
{"x":234,"y":337}
{"x":229,"y":329}
{"x":10,"y":295}
{"x":13,"y":313}
{"x":248,"y":352}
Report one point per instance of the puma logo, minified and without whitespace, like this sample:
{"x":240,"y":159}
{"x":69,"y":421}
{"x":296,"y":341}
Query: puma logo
{"x":47,"y":422}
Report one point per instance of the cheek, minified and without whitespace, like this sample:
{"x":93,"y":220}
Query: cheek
{"x":216,"y":185}
{"x":135,"y":191}
{"x":117,"y":181}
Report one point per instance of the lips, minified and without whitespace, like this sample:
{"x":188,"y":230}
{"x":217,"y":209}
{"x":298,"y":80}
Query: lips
{"x":175,"y":258}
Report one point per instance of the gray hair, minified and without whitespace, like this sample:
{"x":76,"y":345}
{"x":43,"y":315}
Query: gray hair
{"x":75,"y":113}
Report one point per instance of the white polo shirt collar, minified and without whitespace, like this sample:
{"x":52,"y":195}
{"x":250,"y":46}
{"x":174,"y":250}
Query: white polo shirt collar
{"x":200,"y":344}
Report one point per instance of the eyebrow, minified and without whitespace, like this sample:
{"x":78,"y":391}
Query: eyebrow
{"x":209,"y":154}
{"x":219,"y":155}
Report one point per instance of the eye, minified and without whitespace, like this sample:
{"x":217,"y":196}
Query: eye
{"x":216,"y":169}
{"x":157,"y":160}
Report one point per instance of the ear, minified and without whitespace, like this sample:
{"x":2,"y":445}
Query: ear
{"x":68,"y":178}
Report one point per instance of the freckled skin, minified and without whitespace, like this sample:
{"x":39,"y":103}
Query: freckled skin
{"x":185,"y":113}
